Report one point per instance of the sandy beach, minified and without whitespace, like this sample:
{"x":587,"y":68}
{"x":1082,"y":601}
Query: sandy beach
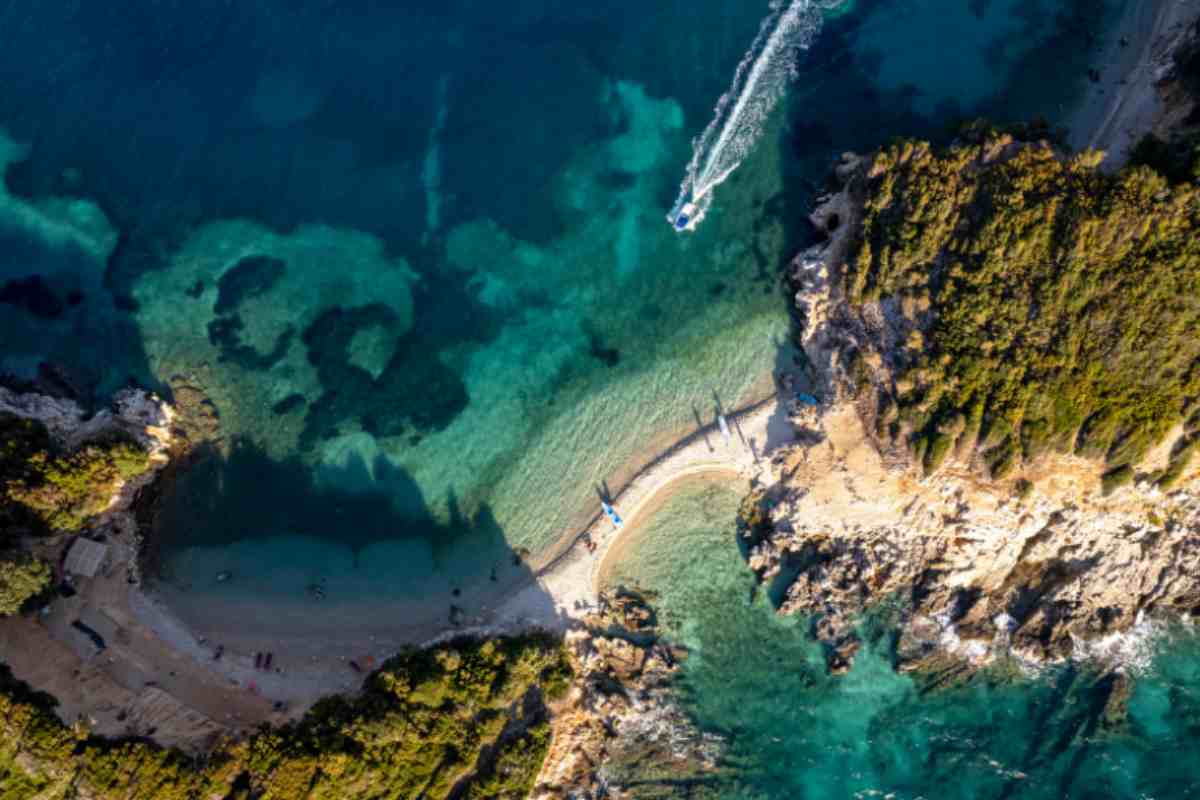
{"x":1124,"y":104}
{"x":308,"y":664}
{"x":571,"y":582}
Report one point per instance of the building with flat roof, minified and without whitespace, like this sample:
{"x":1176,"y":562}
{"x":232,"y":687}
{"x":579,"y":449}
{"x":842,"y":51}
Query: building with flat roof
{"x":85,"y":557}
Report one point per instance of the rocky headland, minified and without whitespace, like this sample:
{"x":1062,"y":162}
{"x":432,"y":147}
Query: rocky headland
{"x":994,"y":447}
{"x":1005,"y":460}
{"x":579,"y":717}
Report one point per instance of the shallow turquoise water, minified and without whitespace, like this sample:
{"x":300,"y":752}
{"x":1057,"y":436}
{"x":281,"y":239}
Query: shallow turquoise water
{"x":794,"y":732}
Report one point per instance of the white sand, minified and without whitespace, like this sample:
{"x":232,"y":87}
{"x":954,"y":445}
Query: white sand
{"x":567,"y":583}
{"x":313,"y":665}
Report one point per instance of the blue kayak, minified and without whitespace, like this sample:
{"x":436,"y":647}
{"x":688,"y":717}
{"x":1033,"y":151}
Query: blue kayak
{"x":612,"y":514}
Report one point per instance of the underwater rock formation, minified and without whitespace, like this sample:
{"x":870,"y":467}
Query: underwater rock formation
{"x":54,"y":304}
{"x":248,"y":311}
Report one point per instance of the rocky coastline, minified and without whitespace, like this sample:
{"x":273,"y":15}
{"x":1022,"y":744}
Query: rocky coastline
{"x":619,"y":725}
{"x":1055,"y":561}
{"x":1050,"y":564}
{"x":616,"y":720}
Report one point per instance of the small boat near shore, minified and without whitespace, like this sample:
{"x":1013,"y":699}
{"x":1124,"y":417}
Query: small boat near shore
{"x":612,"y":514}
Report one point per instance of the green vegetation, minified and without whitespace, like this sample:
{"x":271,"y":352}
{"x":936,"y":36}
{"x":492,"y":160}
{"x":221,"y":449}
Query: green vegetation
{"x":1181,"y":460}
{"x":21,"y":577}
{"x":59,"y":490}
{"x":464,"y":719}
{"x":1046,"y":306}
{"x":44,"y":490}
{"x":1116,"y":478}
{"x":516,"y":767}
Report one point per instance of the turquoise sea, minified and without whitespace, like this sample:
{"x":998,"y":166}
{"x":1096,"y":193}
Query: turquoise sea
{"x":416,"y":254}
{"x":791,"y":731}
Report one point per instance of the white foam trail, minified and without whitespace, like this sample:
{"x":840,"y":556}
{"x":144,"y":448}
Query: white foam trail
{"x":431,"y":169}
{"x":742,"y":112}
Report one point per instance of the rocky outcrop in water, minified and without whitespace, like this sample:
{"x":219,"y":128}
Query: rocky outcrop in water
{"x":619,"y":722}
{"x":979,"y":573}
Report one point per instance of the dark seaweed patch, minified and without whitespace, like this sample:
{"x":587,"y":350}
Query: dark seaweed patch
{"x":288,"y":404}
{"x":225,"y":333}
{"x":619,"y":180}
{"x":32,"y":294}
{"x":608,"y":356}
{"x":415,"y":393}
{"x":250,"y":277}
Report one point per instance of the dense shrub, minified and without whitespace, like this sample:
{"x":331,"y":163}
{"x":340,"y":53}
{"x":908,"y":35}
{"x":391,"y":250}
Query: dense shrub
{"x":1116,"y":478}
{"x":21,"y":577}
{"x":57,"y":490}
{"x":1181,"y":461}
{"x":1064,"y":303}
{"x":465,"y":717}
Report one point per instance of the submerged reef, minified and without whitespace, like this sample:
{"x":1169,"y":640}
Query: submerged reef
{"x":52,"y":284}
{"x":320,"y":313}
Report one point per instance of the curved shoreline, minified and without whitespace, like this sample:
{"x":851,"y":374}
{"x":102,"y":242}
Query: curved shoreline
{"x":556,"y":597}
{"x":571,"y":578}
{"x":567,"y":575}
{"x":623,"y":548}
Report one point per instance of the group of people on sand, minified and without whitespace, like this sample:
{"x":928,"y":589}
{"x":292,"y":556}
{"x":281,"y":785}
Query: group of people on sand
{"x":263,"y":660}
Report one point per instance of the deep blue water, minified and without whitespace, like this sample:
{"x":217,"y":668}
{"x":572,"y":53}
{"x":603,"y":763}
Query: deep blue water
{"x":415,"y":254}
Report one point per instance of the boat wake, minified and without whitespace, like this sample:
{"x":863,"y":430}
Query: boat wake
{"x":742,"y":112}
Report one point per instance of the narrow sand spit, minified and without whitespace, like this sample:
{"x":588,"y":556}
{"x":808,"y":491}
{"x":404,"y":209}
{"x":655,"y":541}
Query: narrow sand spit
{"x":568,"y":586}
{"x":1124,"y":104}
